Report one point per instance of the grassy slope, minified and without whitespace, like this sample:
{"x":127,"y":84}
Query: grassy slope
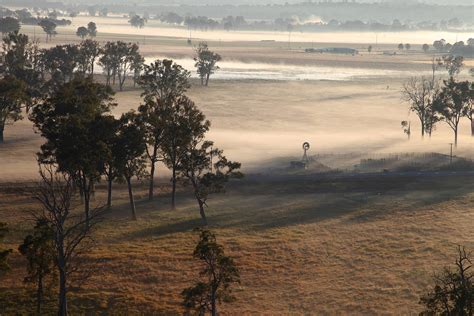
{"x":369,"y":251}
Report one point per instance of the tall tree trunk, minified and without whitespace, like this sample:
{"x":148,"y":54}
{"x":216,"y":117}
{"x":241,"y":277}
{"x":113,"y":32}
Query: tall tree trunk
{"x":62,"y":308}
{"x":2,"y":129}
{"x":130,"y":196}
{"x":207,"y":79}
{"x":202,"y":212}
{"x":472,"y":127}
{"x":456,"y":137}
{"x":152,"y":173}
{"x":87,"y":199}
{"x":213,"y":304}
{"x":39,"y":294}
{"x":173,"y":191}
{"x":109,"y":192}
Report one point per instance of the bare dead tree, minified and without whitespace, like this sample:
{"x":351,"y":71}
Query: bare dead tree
{"x":420,"y":93}
{"x":453,"y":292}
{"x":71,"y":232}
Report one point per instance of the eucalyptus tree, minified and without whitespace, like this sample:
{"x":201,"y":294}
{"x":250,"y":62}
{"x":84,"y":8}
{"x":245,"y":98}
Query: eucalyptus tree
{"x":453,"y":102}
{"x":184,"y":124}
{"x":38,"y":249}
{"x":92,"y":29}
{"x":49,"y":27}
{"x":71,"y":120}
{"x":453,"y":64}
{"x":219,"y":272}
{"x":109,"y":62}
{"x":118,"y":60}
{"x":206,"y":62}
{"x":162,"y":81}
{"x":21,"y":60}
{"x":127,"y":53}
{"x":12,"y":98}
{"x":129,"y":159}
{"x":82,"y":32}
{"x":9,"y":25}
{"x":420,"y":93}
{"x":137,"y":21}
{"x":89,"y":52}
{"x":71,"y":234}
{"x":198,"y":169}
{"x":61,"y":62}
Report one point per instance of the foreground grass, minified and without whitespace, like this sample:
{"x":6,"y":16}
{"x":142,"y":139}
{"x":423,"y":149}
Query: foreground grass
{"x":303,"y":246}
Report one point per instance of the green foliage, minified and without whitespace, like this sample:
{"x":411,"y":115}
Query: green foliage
{"x":453,"y":291}
{"x":61,"y":62}
{"x":218,"y":274}
{"x":49,"y":27}
{"x":118,"y":60}
{"x":12,"y":98}
{"x":197,"y":168}
{"x":425,"y":48}
{"x":4,"y":267}
{"x":39,"y":252}
{"x":137,"y":21}
{"x":453,"y":102}
{"x":453,"y":64}
{"x":82,"y":32}
{"x":9,"y":25}
{"x":92,"y":29}
{"x":206,"y":62}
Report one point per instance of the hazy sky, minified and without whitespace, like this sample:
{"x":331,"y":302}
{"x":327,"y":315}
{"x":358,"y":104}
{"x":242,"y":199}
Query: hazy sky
{"x":262,"y":2}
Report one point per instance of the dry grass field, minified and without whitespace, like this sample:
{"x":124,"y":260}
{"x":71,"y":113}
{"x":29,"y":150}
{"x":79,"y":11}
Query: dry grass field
{"x":304,"y":247}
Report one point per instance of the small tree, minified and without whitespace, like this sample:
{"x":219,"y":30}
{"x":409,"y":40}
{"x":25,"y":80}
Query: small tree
{"x":425,"y":48}
{"x":129,"y":160}
{"x":197,"y":169}
{"x":92,"y":29}
{"x":369,"y":49}
{"x":452,"y":103}
{"x":49,"y":27}
{"x":206,"y":62}
{"x":12,"y":98}
{"x":71,"y":233}
{"x":137,"y":21}
{"x":453,"y":64}
{"x":39,"y":251}
{"x":9,"y":25}
{"x":400,"y":46}
{"x":468,"y":93}
{"x":184,"y":124}
{"x":406,"y":128}
{"x":453,"y":292}
{"x":219,"y":273}
{"x":89,"y":51}
{"x":4,"y":253}
{"x":420,"y":93}
{"x":82,"y":32}
{"x":407,"y":46}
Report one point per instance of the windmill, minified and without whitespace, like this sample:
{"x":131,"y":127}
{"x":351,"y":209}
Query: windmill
{"x":306,"y":147}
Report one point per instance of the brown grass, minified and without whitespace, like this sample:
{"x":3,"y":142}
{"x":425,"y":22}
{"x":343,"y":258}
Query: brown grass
{"x":301,"y":251}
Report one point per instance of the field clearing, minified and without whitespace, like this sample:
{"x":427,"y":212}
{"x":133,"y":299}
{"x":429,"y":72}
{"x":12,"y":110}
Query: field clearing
{"x":302,"y":250}
{"x":256,"y":122}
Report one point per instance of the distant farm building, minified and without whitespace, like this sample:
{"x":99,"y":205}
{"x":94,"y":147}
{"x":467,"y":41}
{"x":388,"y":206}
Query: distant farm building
{"x":333,"y":50}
